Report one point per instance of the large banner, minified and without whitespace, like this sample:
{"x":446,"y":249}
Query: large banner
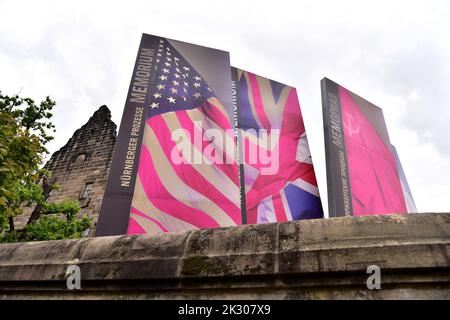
{"x":278,"y":174}
{"x":362,"y":173}
{"x":198,"y":150}
{"x":168,"y":173}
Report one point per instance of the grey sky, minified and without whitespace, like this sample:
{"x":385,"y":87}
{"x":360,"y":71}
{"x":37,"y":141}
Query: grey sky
{"x":396,"y":54}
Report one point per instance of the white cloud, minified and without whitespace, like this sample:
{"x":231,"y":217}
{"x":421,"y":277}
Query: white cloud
{"x":394,"y":53}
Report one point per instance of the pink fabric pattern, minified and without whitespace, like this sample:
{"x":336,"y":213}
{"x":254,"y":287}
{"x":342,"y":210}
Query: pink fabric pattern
{"x":374,"y":180}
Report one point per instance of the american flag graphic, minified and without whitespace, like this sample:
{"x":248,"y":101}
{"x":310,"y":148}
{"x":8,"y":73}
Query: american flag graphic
{"x":173,"y":196}
{"x":290,"y":193}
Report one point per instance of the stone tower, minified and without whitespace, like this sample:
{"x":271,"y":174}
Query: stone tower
{"x":81,"y":166}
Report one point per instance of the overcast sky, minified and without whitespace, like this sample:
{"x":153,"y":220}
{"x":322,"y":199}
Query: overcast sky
{"x":396,"y":54}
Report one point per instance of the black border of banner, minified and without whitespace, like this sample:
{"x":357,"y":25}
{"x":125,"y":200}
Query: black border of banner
{"x":337,"y":176}
{"x":116,"y":204}
{"x":239,"y":150}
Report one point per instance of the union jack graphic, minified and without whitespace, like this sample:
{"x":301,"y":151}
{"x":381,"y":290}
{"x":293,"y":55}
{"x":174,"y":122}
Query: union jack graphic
{"x":290,"y":193}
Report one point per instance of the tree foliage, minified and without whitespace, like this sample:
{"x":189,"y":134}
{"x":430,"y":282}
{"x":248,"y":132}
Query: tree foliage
{"x":49,"y":228}
{"x":24,"y":133}
{"x":25,"y":129}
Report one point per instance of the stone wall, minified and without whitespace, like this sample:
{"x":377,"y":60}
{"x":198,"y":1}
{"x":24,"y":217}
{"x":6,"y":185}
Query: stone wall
{"x":85,"y":159}
{"x":314,"y":259}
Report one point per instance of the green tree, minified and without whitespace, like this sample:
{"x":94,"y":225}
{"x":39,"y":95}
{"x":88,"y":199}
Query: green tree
{"x":25,"y":129}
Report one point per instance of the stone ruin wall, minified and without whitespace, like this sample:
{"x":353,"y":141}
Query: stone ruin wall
{"x":85,"y":159}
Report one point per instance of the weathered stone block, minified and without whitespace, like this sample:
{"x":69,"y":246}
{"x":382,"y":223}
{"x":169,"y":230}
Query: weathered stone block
{"x":243,"y":250}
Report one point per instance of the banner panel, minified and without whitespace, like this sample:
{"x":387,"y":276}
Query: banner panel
{"x":361,"y":168}
{"x":174,"y":166}
{"x":278,"y":173}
